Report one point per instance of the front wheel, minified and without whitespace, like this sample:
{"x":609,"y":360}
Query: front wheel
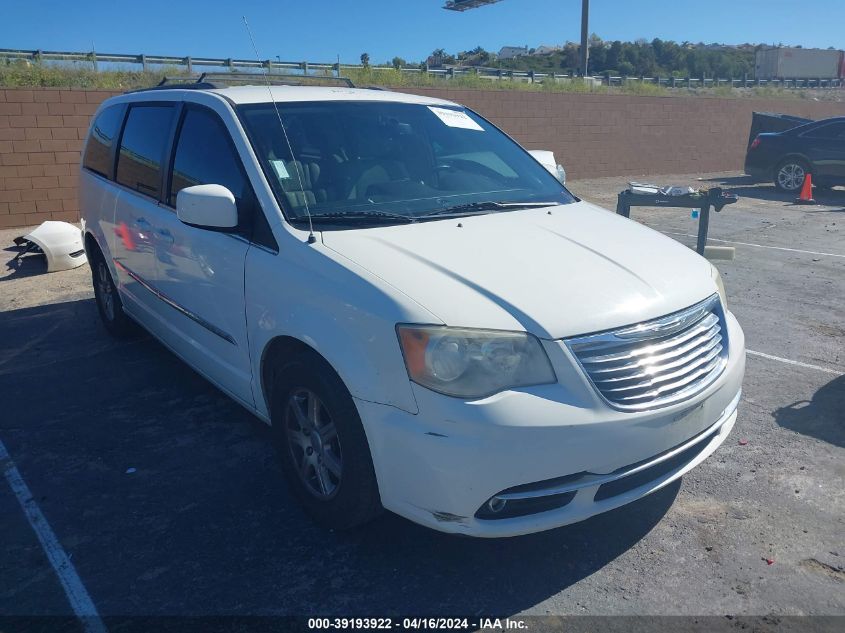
{"x":322,"y":445}
{"x":790,"y":174}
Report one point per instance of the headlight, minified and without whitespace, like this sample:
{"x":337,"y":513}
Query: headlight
{"x":719,"y":285}
{"x":472,"y":363}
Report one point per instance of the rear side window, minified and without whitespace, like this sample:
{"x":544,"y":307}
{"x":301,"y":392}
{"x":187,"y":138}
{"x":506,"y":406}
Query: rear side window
{"x":829,"y":131}
{"x":142,"y":147}
{"x":204,"y":156}
{"x":98,"y":150}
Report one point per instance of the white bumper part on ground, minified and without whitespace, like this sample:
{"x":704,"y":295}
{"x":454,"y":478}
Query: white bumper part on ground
{"x":61,"y":244}
{"x":557,"y":446}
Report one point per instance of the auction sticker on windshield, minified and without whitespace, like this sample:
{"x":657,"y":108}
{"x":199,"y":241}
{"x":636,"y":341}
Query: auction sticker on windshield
{"x":455,"y":118}
{"x":280,"y":169}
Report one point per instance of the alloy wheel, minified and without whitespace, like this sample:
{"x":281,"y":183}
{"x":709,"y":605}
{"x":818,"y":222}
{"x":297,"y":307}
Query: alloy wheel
{"x":791,"y":176}
{"x":314,"y":443}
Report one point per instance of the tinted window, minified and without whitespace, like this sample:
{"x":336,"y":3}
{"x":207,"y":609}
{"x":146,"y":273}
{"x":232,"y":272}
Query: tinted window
{"x":98,"y":150}
{"x":142,"y":147}
{"x":831,"y":130}
{"x":205,"y":156}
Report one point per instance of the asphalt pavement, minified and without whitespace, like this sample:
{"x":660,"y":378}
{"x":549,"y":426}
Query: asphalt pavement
{"x":168,"y":500}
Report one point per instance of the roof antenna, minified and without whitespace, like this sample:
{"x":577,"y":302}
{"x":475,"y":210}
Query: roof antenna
{"x":296,"y":163}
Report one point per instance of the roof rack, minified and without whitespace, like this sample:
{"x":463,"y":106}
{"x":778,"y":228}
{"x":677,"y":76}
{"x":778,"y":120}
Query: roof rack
{"x":182,"y":83}
{"x":276,"y":79}
{"x":209,"y":81}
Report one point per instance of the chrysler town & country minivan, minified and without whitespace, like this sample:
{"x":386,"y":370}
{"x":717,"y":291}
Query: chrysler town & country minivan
{"x":429,"y":320}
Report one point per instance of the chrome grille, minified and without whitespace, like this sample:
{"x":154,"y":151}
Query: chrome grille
{"x":659,"y":362}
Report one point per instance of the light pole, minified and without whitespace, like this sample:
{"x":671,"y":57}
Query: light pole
{"x":464,"y":5}
{"x":585,"y":44}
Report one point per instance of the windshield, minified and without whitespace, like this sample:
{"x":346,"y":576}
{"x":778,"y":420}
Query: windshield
{"x":394,"y":162}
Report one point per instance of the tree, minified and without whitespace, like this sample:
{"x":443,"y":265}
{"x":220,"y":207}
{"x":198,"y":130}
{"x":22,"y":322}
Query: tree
{"x":442,"y":57}
{"x":474,"y":57}
{"x":655,"y":58}
{"x":365,"y":60}
{"x":613,"y":55}
{"x":647,"y":62}
{"x":398,"y":63}
{"x":598,"y":53}
{"x":570,"y":59}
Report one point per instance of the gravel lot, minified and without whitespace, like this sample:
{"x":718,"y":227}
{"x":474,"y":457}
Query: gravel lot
{"x":205,"y":525}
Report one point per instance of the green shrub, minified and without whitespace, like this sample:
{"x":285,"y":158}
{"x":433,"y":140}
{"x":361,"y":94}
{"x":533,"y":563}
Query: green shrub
{"x":27,"y":75}
{"x":24,"y":74}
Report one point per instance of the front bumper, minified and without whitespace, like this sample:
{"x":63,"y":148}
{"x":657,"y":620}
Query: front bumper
{"x":439,"y":467}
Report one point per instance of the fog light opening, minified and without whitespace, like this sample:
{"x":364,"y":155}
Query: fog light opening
{"x":496,"y":505}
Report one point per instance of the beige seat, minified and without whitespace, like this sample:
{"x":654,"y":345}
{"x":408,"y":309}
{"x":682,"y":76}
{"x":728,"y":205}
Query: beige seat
{"x":302,"y":184}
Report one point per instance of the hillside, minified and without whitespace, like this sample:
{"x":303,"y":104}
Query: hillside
{"x":655,"y":58}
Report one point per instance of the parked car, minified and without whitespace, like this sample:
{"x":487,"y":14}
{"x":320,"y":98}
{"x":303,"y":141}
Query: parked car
{"x":428,"y":319}
{"x":816,"y":148}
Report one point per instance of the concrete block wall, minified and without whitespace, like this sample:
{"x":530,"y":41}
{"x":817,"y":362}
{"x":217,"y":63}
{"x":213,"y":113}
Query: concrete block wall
{"x":42,"y":130}
{"x":41,"y":134}
{"x":595,"y":135}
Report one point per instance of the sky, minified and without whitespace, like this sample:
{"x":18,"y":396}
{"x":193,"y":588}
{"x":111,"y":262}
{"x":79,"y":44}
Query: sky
{"x":319,"y":31}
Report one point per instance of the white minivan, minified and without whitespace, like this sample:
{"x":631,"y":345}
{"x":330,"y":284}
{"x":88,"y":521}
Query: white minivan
{"x":428,"y":319}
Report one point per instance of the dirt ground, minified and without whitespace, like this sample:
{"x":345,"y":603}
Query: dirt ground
{"x":205,"y":525}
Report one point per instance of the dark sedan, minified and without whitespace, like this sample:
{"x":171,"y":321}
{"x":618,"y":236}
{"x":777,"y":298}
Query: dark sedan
{"x":816,"y":148}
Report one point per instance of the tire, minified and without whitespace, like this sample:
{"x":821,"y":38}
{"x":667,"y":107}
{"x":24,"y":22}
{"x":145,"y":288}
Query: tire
{"x":107,"y":298}
{"x":789,"y":175}
{"x":329,"y":472}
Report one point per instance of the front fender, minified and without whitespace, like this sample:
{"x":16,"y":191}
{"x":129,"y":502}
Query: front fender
{"x":310,"y":293}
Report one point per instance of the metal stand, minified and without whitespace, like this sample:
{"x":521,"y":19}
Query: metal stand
{"x":714,"y":197}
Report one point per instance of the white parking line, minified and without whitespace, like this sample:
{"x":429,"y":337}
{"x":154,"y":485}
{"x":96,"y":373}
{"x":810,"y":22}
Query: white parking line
{"x":776,"y":248}
{"x":793,"y":362}
{"x":78,"y":597}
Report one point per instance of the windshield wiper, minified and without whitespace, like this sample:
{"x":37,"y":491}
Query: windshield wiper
{"x":356,"y":217}
{"x":364,"y":217}
{"x":474,"y":208}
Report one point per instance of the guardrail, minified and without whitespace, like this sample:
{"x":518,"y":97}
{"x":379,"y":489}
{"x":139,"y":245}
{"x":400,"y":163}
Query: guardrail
{"x":235,"y":65}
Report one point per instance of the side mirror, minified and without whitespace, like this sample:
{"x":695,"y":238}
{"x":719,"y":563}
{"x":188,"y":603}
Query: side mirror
{"x":547,"y":159}
{"x":207,"y":206}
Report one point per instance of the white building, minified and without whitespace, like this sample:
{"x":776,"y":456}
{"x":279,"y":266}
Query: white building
{"x":510,"y":52}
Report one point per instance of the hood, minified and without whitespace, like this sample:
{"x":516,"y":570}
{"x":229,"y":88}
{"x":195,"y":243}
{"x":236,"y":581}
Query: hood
{"x":553,"y":272}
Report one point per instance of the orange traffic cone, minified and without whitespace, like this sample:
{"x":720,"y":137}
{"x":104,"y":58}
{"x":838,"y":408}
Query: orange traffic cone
{"x":806,"y":196}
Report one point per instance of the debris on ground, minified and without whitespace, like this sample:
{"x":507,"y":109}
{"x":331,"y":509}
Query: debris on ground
{"x":59,"y":242}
